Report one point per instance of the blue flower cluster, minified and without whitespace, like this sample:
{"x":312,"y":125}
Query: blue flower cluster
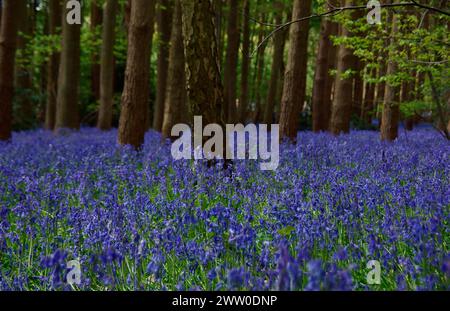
{"x":142,"y":221}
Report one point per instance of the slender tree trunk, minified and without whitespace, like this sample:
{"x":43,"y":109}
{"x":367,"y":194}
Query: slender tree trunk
{"x":295,"y":77}
{"x":164,"y":21}
{"x":205,"y":90}
{"x":391,"y":109}
{"x":343,"y":97}
{"x":55,"y":10}
{"x":259,"y":73}
{"x":321,"y":98}
{"x":135,"y":98}
{"x":175,"y":109}
{"x":369,"y":99}
{"x":105,"y":112}
{"x":218,"y":9}
{"x":96,"y":21}
{"x":68,"y":77}
{"x":25,"y":115}
{"x":277,"y":63}
{"x":358,"y":87}
{"x":243,"y":102}
{"x":8,"y":45}
{"x":230,"y":75}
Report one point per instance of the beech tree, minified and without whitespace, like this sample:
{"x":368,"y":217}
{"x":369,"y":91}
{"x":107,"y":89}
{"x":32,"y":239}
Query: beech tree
{"x":175,"y":108}
{"x":164,"y":21}
{"x":67,"y":109}
{"x":8,"y":45}
{"x":54,"y":24}
{"x":105,"y":112}
{"x":295,"y":76}
{"x":136,"y":94}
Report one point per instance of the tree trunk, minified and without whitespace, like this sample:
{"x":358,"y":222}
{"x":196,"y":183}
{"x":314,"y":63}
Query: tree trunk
{"x":54,"y":12}
{"x":175,"y":109}
{"x":8,"y":44}
{"x":243,"y":102}
{"x":135,"y":98}
{"x":68,"y":77}
{"x":25,"y":115}
{"x":205,"y":90}
{"x":164,"y":21}
{"x":369,"y":99}
{"x":259,"y":73}
{"x":96,"y":21}
{"x":391,"y":109}
{"x":358,"y":87}
{"x":343,"y":97}
{"x":295,"y":76}
{"x":321,"y":98}
{"x":230,"y":75}
{"x":277,"y":63}
{"x":105,"y":112}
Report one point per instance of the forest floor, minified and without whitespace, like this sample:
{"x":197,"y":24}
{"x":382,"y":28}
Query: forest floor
{"x":140,"y":220}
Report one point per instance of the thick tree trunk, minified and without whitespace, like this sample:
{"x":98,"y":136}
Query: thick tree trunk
{"x":277,"y":63}
{"x":68,"y":77}
{"x":175,"y":108}
{"x":295,"y":76}
{"x":164,"y":21}
{"x":243,"y":102}
{"x":105,"y":112}
{"x":96,"y":21}
{"x":391,"y":109}
{"x":230,"y":75}
{"x":343,"y":96}
{"x":205,"y":90}
{"x":25,"y":115}
{"x":8,"y":45}
{"x":54,"y":23}
{"x":323,"y":82}
{"x":135,"y":98}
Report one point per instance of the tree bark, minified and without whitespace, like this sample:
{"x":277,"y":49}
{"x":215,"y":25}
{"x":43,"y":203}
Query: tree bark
{"x":135,"y":98}
{"x":358,"y":87}
{"x":259,"y":73}
{"x":8,"y":45}
{"x":243,"y":102}
{"x":343,"y":97}
{"x":175,"y":109}
{"x":391,"y":109}
{"x":54,"y":24}
{"x":326,"y":60}
{"x":369,"y":99}
{"x":68,"y":77}
{"x":204,"y":85}
{"x":277,"y":64}
{"x":105,"y":112}
{"x":25,"y":115}
{"x":96,"y":21}
{"x":164,"y":21}
{"x":230,"y":75}
{"x":295,"y":76}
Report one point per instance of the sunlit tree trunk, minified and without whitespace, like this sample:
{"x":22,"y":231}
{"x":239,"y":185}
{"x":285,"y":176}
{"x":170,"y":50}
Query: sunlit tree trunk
{"x":295,"y":76}
{"x":135,"y":97}
{"x":96,"y":21}
{"x":105,"y":111}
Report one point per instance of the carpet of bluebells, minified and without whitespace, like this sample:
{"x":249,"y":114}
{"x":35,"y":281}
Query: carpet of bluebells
{"x":142,"y":221}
